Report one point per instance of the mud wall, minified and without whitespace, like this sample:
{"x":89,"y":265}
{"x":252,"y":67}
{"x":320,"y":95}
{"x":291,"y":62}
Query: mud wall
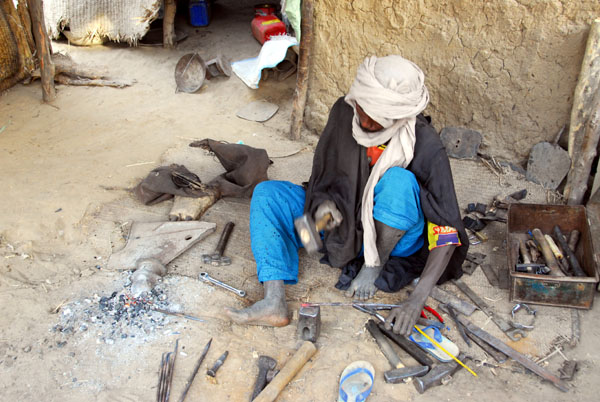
{"x":507,"y":68}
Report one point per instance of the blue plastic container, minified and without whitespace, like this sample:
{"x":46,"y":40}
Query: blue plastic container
{"x":199,"y":13}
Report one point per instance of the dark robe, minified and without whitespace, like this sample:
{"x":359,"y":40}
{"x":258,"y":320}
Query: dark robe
{"x":340,"y":172}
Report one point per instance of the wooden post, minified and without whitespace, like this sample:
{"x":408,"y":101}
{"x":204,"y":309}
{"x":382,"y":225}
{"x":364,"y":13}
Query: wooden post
{"x":587,"y":86}
{"x":579,"y":174}
{"x":169,"y":24}
{"x":44,"y":49}
{"x":302,"y":78}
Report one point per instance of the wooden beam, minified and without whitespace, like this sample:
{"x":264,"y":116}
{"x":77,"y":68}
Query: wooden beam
{"x":579,"y":174}
{"x":587,"y":86}
{"x":26,"y":60}
{"x":23,"y":10}
{"x":169,"y":24}
{"x":300,"y":94}
{"x":44,"y":49}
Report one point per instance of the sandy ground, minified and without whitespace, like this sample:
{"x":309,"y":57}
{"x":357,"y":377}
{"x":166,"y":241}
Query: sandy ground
{"x":66,"y":171}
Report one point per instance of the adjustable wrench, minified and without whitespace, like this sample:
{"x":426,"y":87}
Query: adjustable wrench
{"x":204,"y":276}
{"x":508,"y":328}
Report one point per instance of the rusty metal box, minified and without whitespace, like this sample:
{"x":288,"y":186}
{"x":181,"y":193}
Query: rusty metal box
{"x":563,"y":291}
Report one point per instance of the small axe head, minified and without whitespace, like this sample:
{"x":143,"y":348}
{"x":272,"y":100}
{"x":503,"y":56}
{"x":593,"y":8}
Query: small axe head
{"x":309,"y":236}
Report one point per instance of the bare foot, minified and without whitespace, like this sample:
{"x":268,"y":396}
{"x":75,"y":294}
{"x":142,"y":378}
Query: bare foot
{"x":264,"y":312}
{"x":363,"y":286}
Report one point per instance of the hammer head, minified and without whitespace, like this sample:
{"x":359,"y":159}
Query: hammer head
{"x":216,"y":259}
{"x":309,"y":236}
{"x":309,"y":323}
{"x":398,"y":375}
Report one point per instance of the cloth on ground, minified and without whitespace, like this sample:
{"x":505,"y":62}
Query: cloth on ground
{"x":337,"y":151}
{"x":245,"y":168}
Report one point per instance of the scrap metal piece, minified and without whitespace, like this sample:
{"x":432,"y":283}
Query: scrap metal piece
{"x":161,"y":240}
{"x":568,"y":370}
{"x":491,"y":275}
{"x":513,"y":354}
{"x":496,"y":354}
{"x":459,"y":305}
{"x":513,"y":333}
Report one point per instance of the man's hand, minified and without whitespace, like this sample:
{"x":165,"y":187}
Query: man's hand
{"x":329,"y":207}
{"x":402,"y":319}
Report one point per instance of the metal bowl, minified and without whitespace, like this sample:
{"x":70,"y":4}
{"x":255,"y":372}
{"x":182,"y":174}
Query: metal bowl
{"x":190,"y":73}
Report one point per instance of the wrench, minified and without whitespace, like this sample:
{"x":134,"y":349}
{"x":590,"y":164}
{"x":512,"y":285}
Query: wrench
{"x":204,"y":276}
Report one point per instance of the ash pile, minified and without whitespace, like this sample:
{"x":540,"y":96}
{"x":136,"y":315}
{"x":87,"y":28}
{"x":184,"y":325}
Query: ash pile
{"x":118,"y":316}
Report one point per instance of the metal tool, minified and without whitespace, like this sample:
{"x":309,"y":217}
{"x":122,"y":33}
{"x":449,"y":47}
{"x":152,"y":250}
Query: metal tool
{"x":551,"y":262}
{"x":513,"y":333}
{"x":513,"y":354}
{"x":265,"y":364}
{"x":212,"y":372}
{"x":459,"y":305}
{"x":309,"y":231}
{"x":577,"y":271}
{"x":440,"y":374}
{"x":176,"y":314}
{"x":373,"y":306}
{"x":217,"y":258}
{"x":421,"y":321}
{"x":408,"y":346}
{"x":165,"y":379}
{"x":190,"y":380}
{"x":204,"y":276}
{"x":309,"y":323}
{"x":452,"y":313}
{"x":400,"y":372}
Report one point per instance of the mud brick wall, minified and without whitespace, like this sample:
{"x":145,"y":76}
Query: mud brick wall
{"x":507,"y":68}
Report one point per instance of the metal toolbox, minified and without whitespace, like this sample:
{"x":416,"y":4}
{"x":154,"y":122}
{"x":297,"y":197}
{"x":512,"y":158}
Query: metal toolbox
{"x":562,"y":291}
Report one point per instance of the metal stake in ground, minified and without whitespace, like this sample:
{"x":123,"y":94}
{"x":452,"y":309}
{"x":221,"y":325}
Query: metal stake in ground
{"x":188,"y":384}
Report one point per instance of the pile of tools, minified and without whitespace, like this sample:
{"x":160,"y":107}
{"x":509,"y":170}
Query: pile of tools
{"x":542,"y":255}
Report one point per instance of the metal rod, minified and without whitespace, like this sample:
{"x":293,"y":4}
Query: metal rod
{"x":182,"y":315}
{"x":188,"y":384}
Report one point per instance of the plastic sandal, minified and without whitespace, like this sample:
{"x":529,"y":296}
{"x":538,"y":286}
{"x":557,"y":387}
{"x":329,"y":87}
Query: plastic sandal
{"x":429,"y":347}
{"x":356,"y":382}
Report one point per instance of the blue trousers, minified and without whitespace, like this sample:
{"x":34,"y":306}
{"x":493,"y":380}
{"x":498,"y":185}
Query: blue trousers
{"x":275,"y":205}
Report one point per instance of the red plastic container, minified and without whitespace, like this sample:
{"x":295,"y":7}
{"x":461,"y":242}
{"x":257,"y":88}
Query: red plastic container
{"x":265,"y":23}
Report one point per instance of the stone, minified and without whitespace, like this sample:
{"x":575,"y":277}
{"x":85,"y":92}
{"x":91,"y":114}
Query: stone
{"x":461,"y":143}
{"x":548,"y":165}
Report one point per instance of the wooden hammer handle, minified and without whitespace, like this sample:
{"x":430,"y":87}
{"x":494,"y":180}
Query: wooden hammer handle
{"x":546,"y":252}
{"x":289,"y":371}
{"x":322,"y":223}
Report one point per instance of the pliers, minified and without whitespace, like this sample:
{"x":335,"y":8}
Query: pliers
{"x":432,"y":311}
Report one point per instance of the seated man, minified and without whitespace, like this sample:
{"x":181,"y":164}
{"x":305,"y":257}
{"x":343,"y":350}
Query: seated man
{"x":382,"y":172}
